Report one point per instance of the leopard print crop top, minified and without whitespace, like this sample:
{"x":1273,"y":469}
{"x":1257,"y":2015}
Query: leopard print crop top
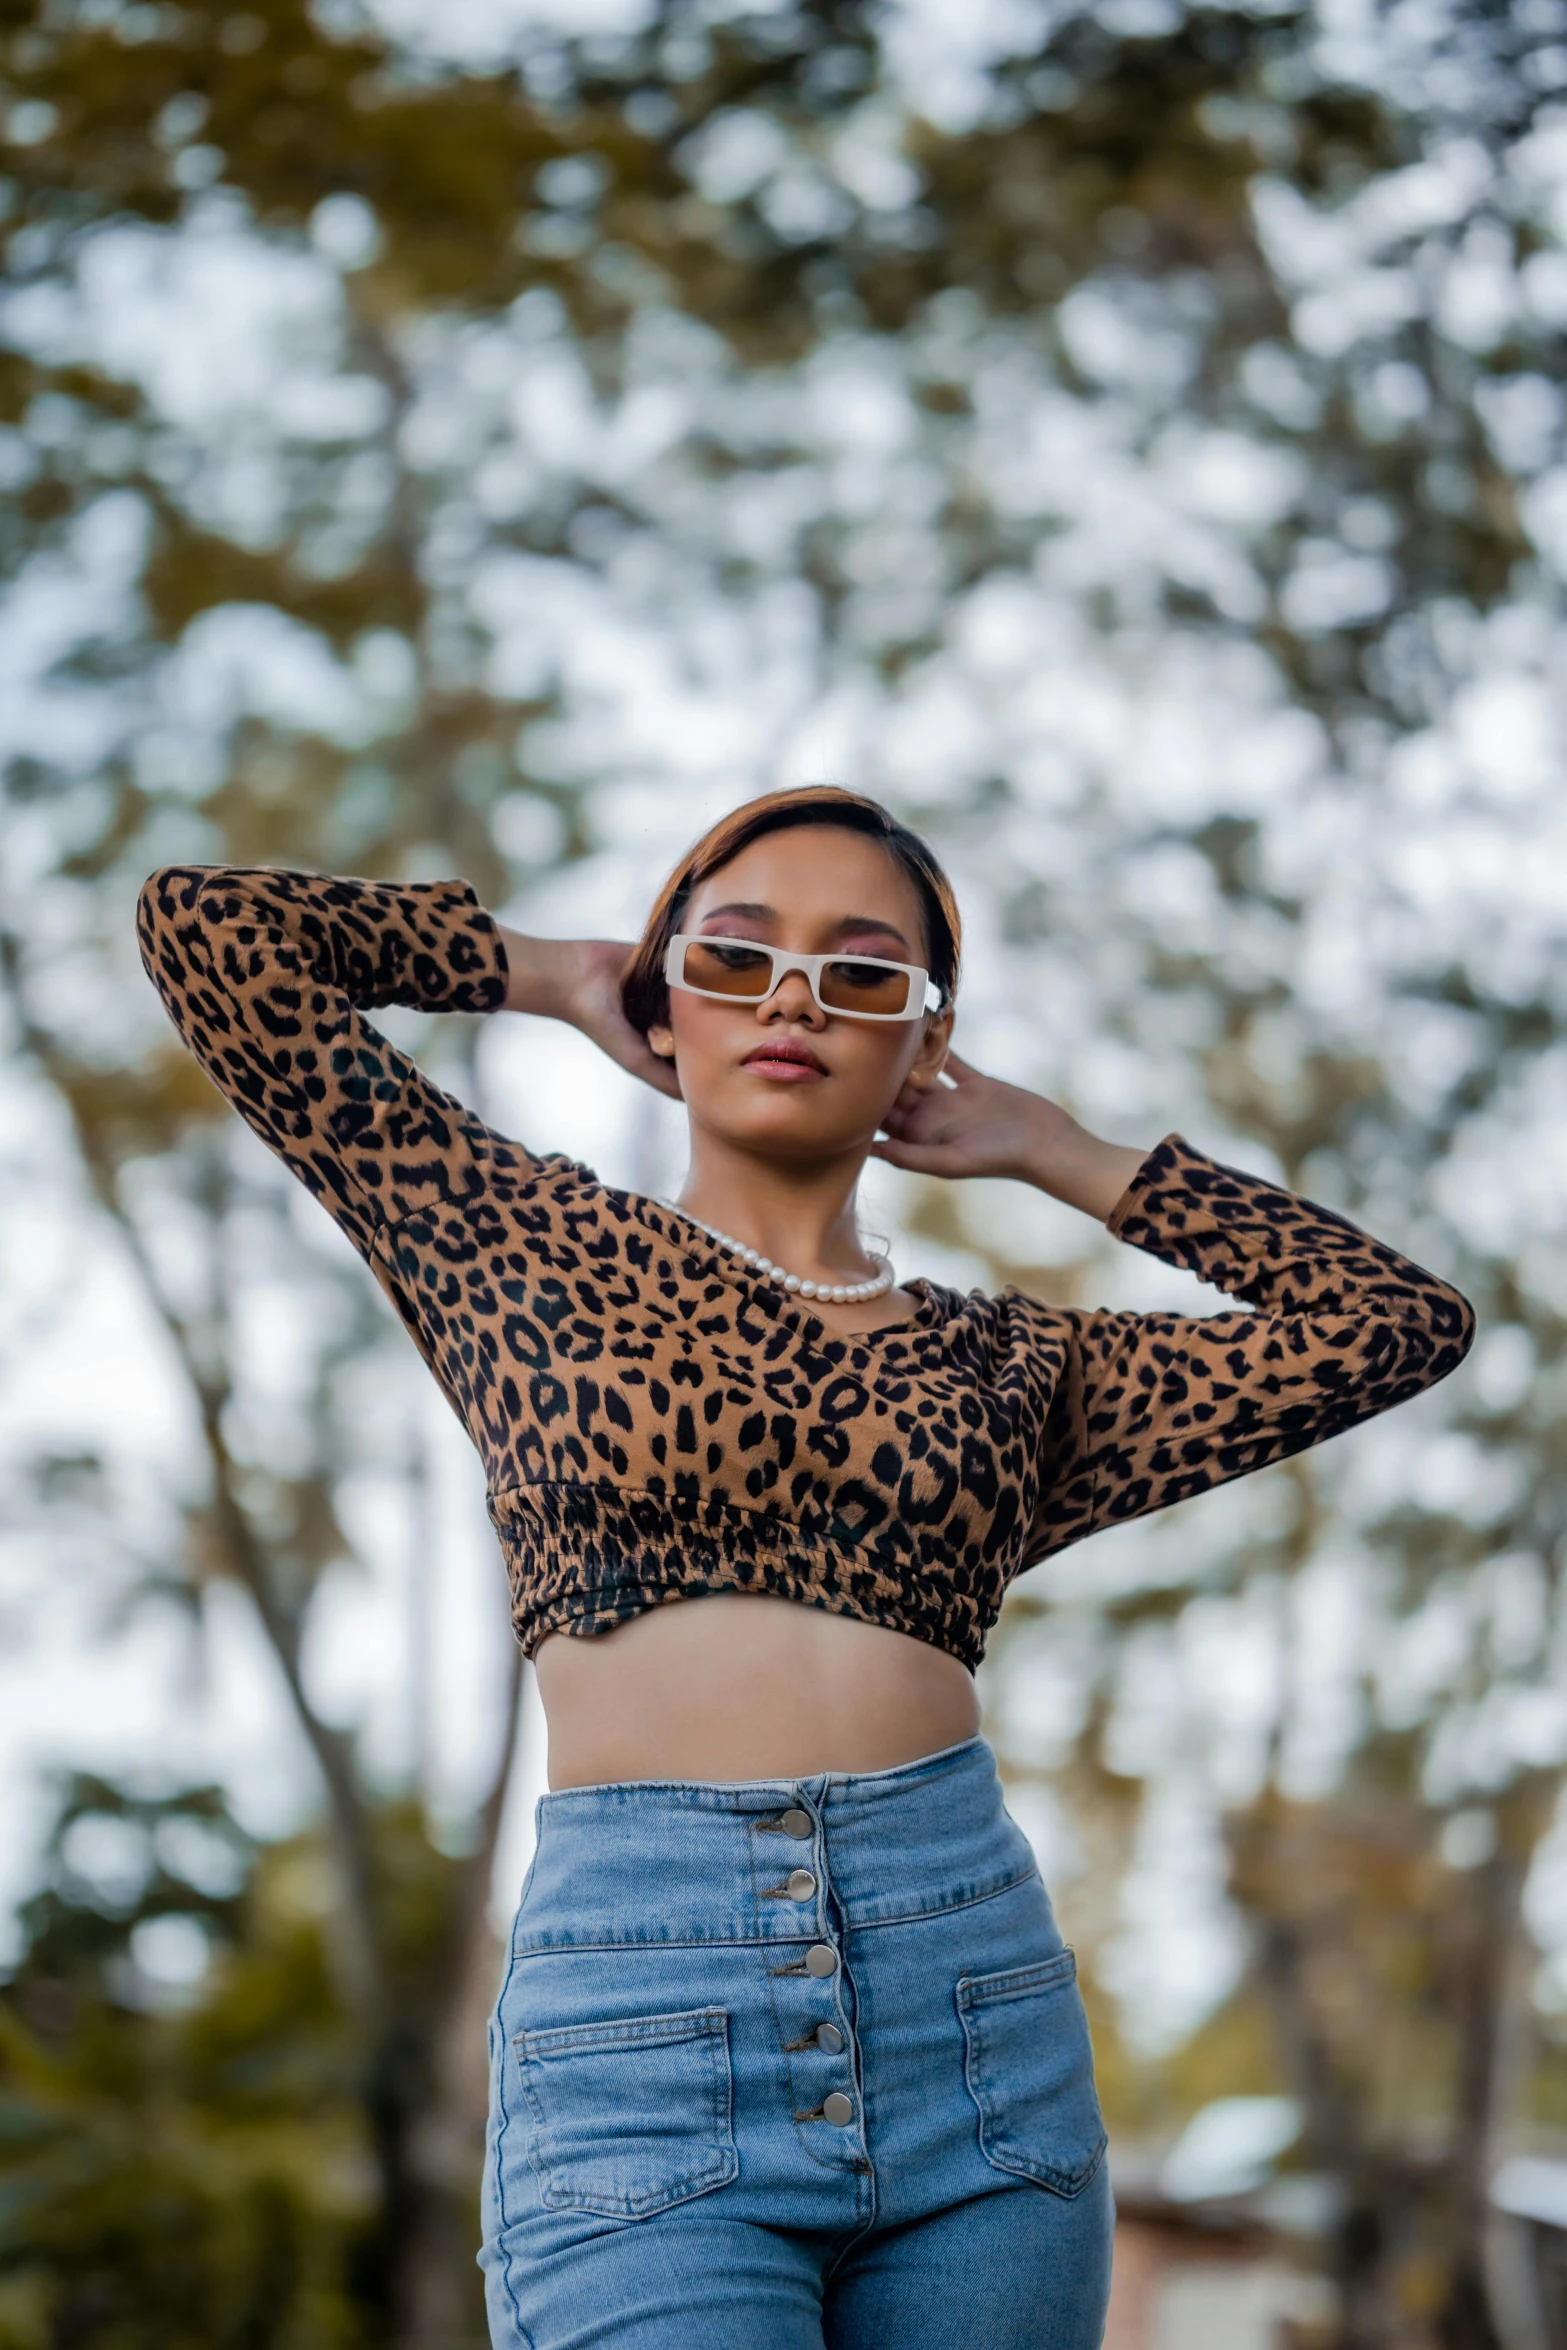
{"x":653,"y":1423}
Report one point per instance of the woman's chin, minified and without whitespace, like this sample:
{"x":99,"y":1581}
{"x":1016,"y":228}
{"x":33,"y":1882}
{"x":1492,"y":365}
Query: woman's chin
{"x":793,"y":1122}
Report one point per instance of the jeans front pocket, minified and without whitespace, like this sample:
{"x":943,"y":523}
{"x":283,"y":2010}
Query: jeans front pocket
{"x":629,"y":2117}
{"x":1030,"y":2070}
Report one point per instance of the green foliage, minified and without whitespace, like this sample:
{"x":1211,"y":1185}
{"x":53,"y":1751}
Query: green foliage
{"x":187,"y":2167}
{"x":239,"y":2168}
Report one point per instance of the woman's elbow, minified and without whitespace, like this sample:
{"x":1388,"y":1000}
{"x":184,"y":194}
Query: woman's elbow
{"x":1464,"y":1322}
{"x":1450,"y":1324}
{"x":168,"y":894}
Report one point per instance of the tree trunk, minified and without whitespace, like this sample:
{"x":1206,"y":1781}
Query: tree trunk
{"x":1490,"y":1995}
{"x":442,"y":2147}
{"x":1480,"y":1971}
{"x":1362,"y":2245}
{"x":1369,"y":2227}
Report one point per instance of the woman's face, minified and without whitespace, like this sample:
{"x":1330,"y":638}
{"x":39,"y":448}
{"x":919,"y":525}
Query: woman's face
{"x":816,"y":889}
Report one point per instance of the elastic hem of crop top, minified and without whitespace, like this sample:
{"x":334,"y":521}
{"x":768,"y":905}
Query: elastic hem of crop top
{"x":647,"y":1549}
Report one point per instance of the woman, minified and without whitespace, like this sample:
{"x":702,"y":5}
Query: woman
{"x":789,"y":2050}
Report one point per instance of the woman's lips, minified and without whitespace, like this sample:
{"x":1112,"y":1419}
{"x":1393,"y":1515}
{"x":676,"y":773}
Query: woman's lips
{"x":787,"y":1063}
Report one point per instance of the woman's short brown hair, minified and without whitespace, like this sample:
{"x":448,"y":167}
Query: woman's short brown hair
{"x":643,"y":989}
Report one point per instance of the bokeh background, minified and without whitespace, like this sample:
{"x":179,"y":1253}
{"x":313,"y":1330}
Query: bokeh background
{"x":493,"y":437}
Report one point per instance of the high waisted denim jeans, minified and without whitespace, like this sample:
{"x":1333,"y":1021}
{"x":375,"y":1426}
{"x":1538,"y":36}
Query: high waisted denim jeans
{"x":793,"y":2063}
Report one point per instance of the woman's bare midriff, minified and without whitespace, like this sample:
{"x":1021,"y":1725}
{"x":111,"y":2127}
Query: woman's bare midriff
{"x":728,"y":1686}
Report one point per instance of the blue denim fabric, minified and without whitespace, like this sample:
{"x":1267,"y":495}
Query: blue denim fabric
{"x":663,"y":2172}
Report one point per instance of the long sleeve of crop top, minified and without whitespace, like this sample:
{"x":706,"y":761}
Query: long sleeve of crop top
{"x":267,"y":975}
{"x":1152,"y":1408}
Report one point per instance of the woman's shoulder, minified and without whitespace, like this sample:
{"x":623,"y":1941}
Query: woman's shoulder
{"x":1005,"y":1322}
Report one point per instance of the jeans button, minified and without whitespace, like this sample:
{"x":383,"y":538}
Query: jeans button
{"x":829,"y":2037}
{"x":801,"y":1884}
{"x":821,"y":1960}
{"x":838,"y":2108}
{"x":796,"y":1823}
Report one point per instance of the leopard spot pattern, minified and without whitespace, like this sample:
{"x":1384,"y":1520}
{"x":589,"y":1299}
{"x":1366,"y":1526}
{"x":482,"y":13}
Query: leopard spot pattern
{"x":653,"y":1422}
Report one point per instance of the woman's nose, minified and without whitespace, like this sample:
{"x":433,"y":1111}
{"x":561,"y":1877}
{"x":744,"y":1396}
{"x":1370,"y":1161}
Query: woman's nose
{"x":792,"y":999}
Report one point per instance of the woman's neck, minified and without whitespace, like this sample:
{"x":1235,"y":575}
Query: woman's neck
{"x":803,"y":1217}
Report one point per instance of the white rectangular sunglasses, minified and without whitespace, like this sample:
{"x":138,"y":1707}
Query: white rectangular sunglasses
{"x":851,"y":987}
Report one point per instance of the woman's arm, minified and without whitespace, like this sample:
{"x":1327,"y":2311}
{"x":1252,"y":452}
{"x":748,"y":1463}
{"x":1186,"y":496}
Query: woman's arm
{"x":1151,"y":1408}
{"x":979,"y":1125}
{"x":267,"y":973}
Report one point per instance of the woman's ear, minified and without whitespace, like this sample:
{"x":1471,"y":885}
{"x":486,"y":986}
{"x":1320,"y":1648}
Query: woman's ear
{"x":661,"y":1040}
{"x":932,"y":1053}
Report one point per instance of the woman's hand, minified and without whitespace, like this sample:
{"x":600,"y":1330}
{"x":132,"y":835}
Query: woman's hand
{"x":578,"y":980}
{"x":980,"y":1126}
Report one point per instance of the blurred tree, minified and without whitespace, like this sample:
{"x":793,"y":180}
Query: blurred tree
{"x":1207,"y":365}
{"x":185,"y":2152}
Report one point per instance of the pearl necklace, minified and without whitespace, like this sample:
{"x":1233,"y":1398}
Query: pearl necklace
{"x":838,"y":1293}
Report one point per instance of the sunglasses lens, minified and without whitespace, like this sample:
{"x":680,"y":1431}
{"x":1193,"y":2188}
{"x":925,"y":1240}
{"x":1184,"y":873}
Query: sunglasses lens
{"x":720,"y":967}
{"x":867,"y":987}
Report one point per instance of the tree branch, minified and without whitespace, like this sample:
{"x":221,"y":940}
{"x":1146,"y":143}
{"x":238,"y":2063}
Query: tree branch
{"x":245,"y":1552}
